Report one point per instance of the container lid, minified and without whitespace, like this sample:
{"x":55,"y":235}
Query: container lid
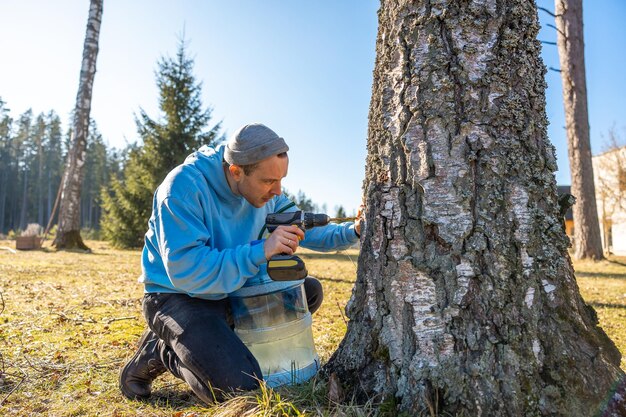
{"x":266,"y":287}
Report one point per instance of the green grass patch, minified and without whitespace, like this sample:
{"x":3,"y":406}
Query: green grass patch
{"x":70,"y":321}
{"x":603,"y":285}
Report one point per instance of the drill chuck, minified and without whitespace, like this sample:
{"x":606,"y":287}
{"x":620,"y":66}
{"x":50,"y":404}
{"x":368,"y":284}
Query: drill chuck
{"x":312,"y":220}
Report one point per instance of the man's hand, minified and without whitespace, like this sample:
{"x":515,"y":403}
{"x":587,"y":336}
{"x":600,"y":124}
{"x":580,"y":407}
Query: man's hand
{"x":285,"y":239}
{"x":359,"y":219}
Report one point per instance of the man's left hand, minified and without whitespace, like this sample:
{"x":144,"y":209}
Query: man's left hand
{"x":359,"y":219}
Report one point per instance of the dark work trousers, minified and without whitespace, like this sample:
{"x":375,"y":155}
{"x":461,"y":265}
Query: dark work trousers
{"x":198,"y":345}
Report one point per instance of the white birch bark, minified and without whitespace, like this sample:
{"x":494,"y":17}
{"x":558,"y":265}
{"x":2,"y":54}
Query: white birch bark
{"x":465,"y":301}
{"x":68,"y":232}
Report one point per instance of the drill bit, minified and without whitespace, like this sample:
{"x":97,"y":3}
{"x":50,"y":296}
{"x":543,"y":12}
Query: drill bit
{"x":342,"y":219}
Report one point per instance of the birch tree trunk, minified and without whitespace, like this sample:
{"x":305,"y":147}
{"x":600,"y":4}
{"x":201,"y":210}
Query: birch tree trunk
{"x":570,"y":41}
{"x":68,"y":232}
{"x":466,"y":301}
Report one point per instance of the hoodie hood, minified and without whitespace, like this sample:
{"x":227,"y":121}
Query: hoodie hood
{"x":208,"y":160}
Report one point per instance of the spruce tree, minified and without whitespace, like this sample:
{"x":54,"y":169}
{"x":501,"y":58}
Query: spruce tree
{"x":166,"y":142}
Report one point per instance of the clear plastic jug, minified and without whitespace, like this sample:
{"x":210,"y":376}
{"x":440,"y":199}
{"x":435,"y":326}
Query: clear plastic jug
{"x":276,"y":327}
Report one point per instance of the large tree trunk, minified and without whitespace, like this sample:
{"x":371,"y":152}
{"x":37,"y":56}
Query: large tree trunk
{"x":68,"y":232}
{"x":570,"y":40}
{"x":466,"y":301}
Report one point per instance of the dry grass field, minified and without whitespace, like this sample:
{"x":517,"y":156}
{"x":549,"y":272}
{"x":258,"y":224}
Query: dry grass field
{"x":69,"y":320}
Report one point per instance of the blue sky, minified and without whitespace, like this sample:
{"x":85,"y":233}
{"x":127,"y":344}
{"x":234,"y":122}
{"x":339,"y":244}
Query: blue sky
{"x":303,"y":68}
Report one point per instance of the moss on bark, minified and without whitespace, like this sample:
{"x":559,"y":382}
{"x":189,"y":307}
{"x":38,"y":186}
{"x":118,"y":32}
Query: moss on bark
{"x":464,"y":278}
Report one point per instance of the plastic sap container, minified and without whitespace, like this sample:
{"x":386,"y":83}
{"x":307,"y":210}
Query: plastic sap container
{"x":276,"y":327}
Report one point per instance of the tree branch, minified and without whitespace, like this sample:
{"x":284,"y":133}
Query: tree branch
{"x":22,"y":379}
{"x":554,"y":69}
{"x":557,"y":29}
{"x":64,"y":317}
{"x":111,"y":320}
{"x":345,"y":320}
{"x":548,"y":42}
{"x":543,"y":9}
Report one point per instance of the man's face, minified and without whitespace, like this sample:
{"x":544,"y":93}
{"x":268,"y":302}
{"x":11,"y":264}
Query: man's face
{"x":264,"y":182}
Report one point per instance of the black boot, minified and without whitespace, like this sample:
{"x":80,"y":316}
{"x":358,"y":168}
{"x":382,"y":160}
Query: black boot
{"x":137,"y":375}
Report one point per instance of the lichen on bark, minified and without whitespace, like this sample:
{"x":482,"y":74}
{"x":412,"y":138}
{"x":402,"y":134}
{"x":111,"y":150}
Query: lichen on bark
{"x":464,"y":280}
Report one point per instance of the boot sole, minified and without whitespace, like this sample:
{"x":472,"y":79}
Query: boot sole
{"x":125,"y":391}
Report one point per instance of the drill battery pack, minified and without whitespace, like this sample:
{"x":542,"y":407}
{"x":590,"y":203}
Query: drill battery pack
{"x":286,"y":268}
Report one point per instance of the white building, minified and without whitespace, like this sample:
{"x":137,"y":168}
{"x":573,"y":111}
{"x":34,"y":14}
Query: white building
{"x":609,"y":171}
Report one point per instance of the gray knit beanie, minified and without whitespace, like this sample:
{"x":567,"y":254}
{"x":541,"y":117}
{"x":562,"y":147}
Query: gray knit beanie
{"x":253,"y":143}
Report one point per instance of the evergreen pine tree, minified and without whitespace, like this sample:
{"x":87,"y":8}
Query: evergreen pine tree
{"x":166,"y":142}
{"x":340,"y":212}
{"x":22,"y":147}
{"x":37,"y":190}
{"x":304,"y":202}
{"x":54,"y":153}
{"x":5,"y":161}
{"x":95,"y":178}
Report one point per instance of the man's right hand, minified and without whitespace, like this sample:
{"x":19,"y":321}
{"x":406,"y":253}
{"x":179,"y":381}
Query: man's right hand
{"x":285,"y":239}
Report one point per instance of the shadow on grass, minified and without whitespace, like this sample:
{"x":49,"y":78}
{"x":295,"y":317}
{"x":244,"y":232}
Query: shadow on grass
{"x":599,"y":275}
{"x":183,"y":399}
{"x":608,"y":305}
{"x":172,"y":398}
{"x":50,"y":249}
{"x":615,"y":261}
{"x":346,"y":281}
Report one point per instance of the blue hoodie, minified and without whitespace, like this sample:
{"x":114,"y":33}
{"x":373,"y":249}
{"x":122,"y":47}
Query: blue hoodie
{"x":200,"y":235}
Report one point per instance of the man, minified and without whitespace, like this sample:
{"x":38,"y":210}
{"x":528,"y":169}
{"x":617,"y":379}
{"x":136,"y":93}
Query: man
{"x":200,"y":247}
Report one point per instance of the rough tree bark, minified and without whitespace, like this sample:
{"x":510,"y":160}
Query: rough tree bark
{"x":68,"y":231}
{"x":466,"y":301}
{"x":570,"y":41}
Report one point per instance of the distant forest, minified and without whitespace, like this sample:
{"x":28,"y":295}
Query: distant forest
{"x":116,"y":196}
{"x":32,"y":158}
{"x":33,"y":152}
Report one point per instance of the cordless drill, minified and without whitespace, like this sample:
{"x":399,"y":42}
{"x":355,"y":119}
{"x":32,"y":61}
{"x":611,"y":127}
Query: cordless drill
{"x":290,"y":267}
